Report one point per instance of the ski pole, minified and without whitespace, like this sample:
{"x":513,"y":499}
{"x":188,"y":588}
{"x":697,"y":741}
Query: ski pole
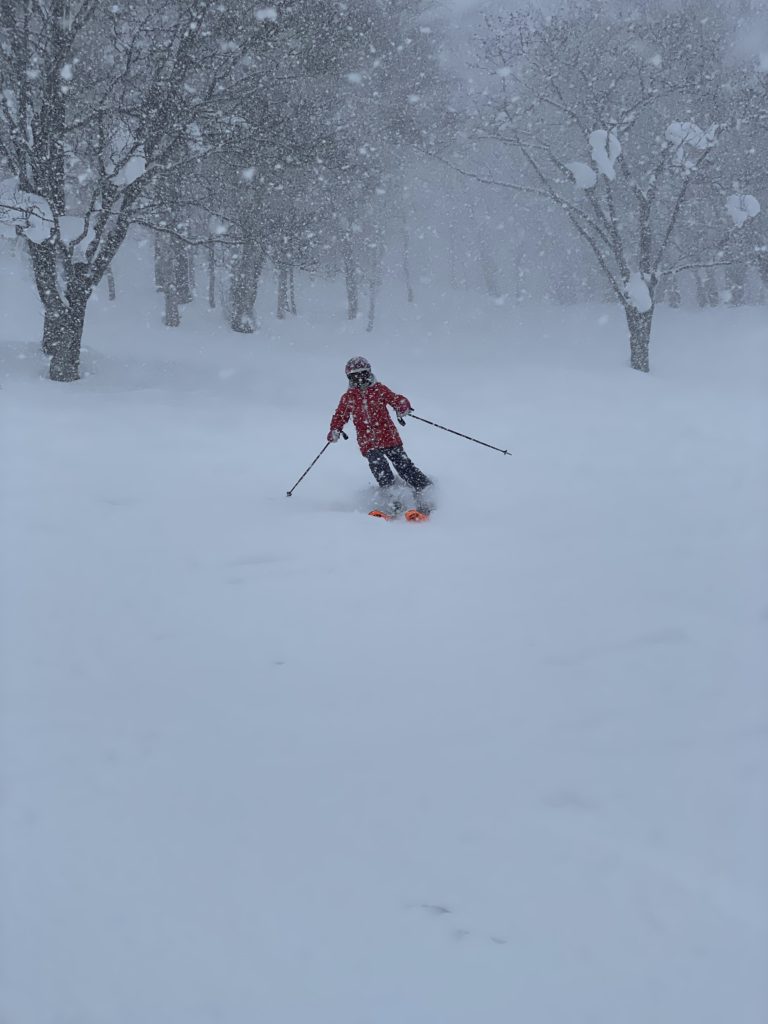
{"x":328,"y":444}
{"x":456,"y":432}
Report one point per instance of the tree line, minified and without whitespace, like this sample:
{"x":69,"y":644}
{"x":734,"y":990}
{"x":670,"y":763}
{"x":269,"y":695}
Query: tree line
{"x":324,"y":135}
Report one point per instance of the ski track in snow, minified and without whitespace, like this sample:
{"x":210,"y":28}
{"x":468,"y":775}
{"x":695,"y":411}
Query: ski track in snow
{"x":270,"y":759}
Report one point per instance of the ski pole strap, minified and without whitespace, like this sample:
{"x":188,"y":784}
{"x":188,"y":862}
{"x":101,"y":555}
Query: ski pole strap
{"x":456,"y":432}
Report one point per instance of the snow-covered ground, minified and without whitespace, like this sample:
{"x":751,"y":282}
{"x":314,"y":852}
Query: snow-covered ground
{"x":274,"y":760}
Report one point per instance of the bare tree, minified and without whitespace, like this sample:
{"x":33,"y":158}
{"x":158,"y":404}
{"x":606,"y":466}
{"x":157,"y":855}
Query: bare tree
{"x":596,"y":114}
{"x":316,"y":140}
{"x":94,"y":102}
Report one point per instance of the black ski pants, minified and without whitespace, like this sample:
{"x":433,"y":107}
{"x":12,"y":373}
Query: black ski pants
{"x":377,"y":460}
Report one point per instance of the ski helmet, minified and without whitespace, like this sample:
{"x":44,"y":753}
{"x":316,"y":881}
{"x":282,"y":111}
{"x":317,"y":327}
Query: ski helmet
{"x":357,"y":364}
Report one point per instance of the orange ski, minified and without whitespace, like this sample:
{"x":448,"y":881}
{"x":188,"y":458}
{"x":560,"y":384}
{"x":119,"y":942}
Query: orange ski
{"x":414,"y":516}
{"x":378,"y":514}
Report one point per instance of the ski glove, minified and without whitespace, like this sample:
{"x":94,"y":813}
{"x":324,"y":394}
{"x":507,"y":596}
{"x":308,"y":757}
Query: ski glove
{"x":333,"y":435}
{"x":407,"y":412}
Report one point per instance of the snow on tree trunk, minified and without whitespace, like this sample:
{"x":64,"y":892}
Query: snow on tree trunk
{"x":111,"y":290}
{"x":606,"y":150}
{"x":638,"y":293}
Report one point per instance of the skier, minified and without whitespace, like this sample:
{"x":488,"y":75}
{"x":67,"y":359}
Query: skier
{"x":366,"y":401}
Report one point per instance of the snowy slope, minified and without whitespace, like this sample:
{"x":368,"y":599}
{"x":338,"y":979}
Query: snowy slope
{"x":276,"y":761}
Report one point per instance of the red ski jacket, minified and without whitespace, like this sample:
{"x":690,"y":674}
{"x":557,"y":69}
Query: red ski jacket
{"x":368,"y":409}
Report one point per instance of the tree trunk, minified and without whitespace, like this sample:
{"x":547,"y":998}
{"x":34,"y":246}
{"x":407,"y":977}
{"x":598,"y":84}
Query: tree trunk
{"x":45,"y":271}
{"x":246,"y":274}
{"x":407,"y":261}
{"x":489,"y":268}
{"x":282,"y":292}
{"x":51,"y":319}
{"x":63,"y":325}
{"x":65,"y":361}
{"x":172,"y":316}
{"x":351,"y":280}
{"x":702,"y":298}
{"x":160,"y":261}
{"x":182,"y":270}
{"x":167,"y":277}
{"x":111,"y":290}
{"x":291,"y":292}
{"x":453,"y":280}
{"x":371,"y":306}
{"x":736,"y":282}
{"x":673,"y":293}
{"x":241,"y":319}
{"x":211,"y":276}
{"x":639,"y":325}
{"x":710,"y":286}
